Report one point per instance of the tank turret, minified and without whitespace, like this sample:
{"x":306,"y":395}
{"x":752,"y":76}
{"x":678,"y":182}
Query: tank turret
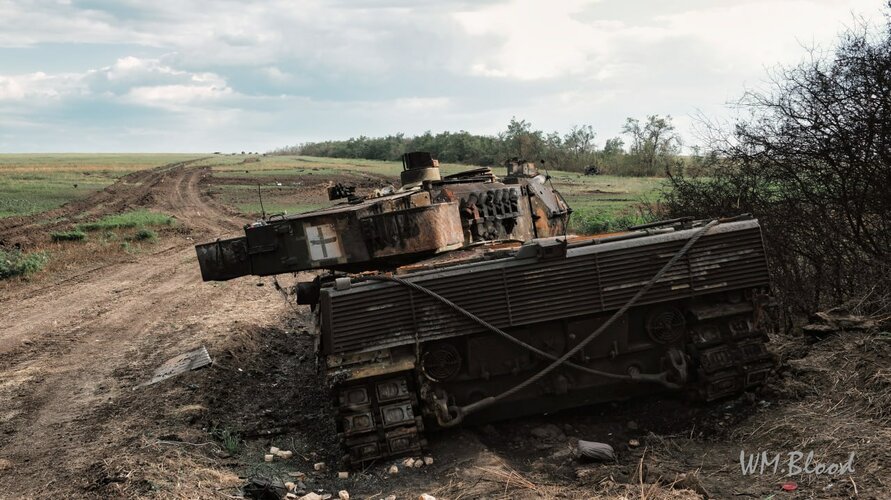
{"x":427,"y":215}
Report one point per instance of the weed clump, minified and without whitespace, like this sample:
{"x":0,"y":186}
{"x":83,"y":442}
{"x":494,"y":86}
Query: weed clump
{"x":145,"y":235}
{"x":17,"y":263}
{"x":128,"y":220}
{"x":75,"y":235}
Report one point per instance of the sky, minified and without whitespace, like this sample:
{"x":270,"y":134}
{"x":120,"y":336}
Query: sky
{"x":200,"y":76}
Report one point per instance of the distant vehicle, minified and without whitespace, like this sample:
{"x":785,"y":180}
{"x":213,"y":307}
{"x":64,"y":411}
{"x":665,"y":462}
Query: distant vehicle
{"x":592,"y":170}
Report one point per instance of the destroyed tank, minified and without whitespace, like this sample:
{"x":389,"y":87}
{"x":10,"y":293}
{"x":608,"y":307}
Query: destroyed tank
{"x":460,"y":299}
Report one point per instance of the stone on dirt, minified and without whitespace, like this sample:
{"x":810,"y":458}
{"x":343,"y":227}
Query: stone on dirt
{"x":320,"y":466}
{"x":393,"y":470}
{"x":311,"y":496}
{"x":428,"y":460}
{"x":268,"y":457}
{"x":633,"y":443}
{"x":290,"y":486}
{"x":343,"y":495}
{"x":343,"y":475}
{"x":597,"y":451}
{"x":390,"y":497}
{"x":425,"y":496}
{"x":273,"y":450}
{"x":409,"y":462}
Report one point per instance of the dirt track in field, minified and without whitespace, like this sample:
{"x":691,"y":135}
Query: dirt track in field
{"x":74,"y":421}
{"x":71,"y":348}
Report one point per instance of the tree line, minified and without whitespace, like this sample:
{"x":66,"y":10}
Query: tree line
{"x":647,"y":147}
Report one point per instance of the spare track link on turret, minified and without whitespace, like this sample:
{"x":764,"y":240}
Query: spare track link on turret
{"x":379,"y":417}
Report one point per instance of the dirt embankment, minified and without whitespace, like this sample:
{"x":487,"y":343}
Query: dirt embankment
{"x":75,"y":421}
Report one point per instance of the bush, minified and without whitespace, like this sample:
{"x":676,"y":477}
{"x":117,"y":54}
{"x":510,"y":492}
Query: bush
{"x":813,"y":163}
{"x":18,"y":263}
{"x":145,"y":235}
{"x":75,"y":235}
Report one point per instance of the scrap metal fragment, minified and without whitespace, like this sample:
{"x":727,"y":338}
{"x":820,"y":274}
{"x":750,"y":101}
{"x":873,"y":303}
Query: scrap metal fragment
{"x":192,"y":360}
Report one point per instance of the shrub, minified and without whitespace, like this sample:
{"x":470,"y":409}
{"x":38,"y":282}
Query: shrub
{"x":76,"y":235}
{"x":18,"y":263}
{"x":145,"y":235}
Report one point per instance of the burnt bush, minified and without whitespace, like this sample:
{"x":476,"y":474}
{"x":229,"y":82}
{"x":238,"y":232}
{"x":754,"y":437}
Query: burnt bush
{"x":812,"y":160}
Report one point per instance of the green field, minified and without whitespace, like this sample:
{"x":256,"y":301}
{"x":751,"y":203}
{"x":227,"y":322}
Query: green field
{"x":33,"y":183}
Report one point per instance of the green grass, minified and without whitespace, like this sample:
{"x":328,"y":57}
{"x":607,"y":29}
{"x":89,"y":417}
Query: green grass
{"x":17,"y":263}
{"x":74,"y":235}
{"x":33,"y":183}
{"x":145,"y":235}
{"x":134,"y":219}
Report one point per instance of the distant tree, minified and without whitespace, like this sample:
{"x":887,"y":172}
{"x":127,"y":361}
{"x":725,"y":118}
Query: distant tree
{"x":654,"y":144}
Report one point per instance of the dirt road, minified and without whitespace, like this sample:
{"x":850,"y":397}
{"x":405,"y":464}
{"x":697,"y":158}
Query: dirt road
{"x":70,"y":349}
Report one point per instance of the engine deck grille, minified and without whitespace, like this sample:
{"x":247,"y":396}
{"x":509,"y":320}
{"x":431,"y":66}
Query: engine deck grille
{"x":513,"y":292}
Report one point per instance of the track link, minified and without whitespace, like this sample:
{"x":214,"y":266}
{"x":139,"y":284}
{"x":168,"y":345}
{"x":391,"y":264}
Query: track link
{"x":379,"y":417}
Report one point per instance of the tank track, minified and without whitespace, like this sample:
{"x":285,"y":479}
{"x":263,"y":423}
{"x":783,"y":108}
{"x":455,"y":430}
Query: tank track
{"x":379,"y":417}
{"x":730,"y":356}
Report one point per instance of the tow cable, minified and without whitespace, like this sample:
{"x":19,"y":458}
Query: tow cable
{"x":460,"y":412}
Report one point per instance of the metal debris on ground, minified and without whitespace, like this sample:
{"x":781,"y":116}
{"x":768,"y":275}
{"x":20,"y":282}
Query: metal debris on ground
{"x":193,"y":360}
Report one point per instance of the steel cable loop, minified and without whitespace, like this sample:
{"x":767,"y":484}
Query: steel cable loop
{"x":461,"y":412}
{"x":493,"y":328}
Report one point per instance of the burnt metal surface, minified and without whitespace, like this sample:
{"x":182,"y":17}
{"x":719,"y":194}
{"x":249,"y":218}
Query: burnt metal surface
{"x":428,"y":215}
{"x":515,"y":292}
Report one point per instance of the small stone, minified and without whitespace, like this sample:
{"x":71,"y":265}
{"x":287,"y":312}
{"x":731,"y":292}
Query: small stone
{"x":428,"y":460}
{"x":285,"y":455}
{"x":633,"y":443}
{"x":418,"y":463}
{"x":311,"y":496}
{"x":390,"y":497}
{"x":268,"y":457}
{"x":409,"y":462}
{"x":393,"y":470}
{"x":632,"y":425}
{"x":343,"y":495}
{"x":319,"y":466}
{"x":290,"y":486}
{"x":290,"y":495}
{"x":343,"y":475}
{"x":425,"y":496}
{"x":274,"y":450}
{"x":297,"y":474}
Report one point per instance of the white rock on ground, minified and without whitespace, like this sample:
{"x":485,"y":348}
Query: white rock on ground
{"x":428,"y":460}
{"x":319,"y":466}
{"x":425,"y":496}
{"x":393,"y":470}
{"x":343,"y":495}
{"x":343,"y":475}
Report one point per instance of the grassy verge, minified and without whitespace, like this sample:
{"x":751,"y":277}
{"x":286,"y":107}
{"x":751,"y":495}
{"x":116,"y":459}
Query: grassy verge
{"x":128,"y":220}
{"x":16,"y":263}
